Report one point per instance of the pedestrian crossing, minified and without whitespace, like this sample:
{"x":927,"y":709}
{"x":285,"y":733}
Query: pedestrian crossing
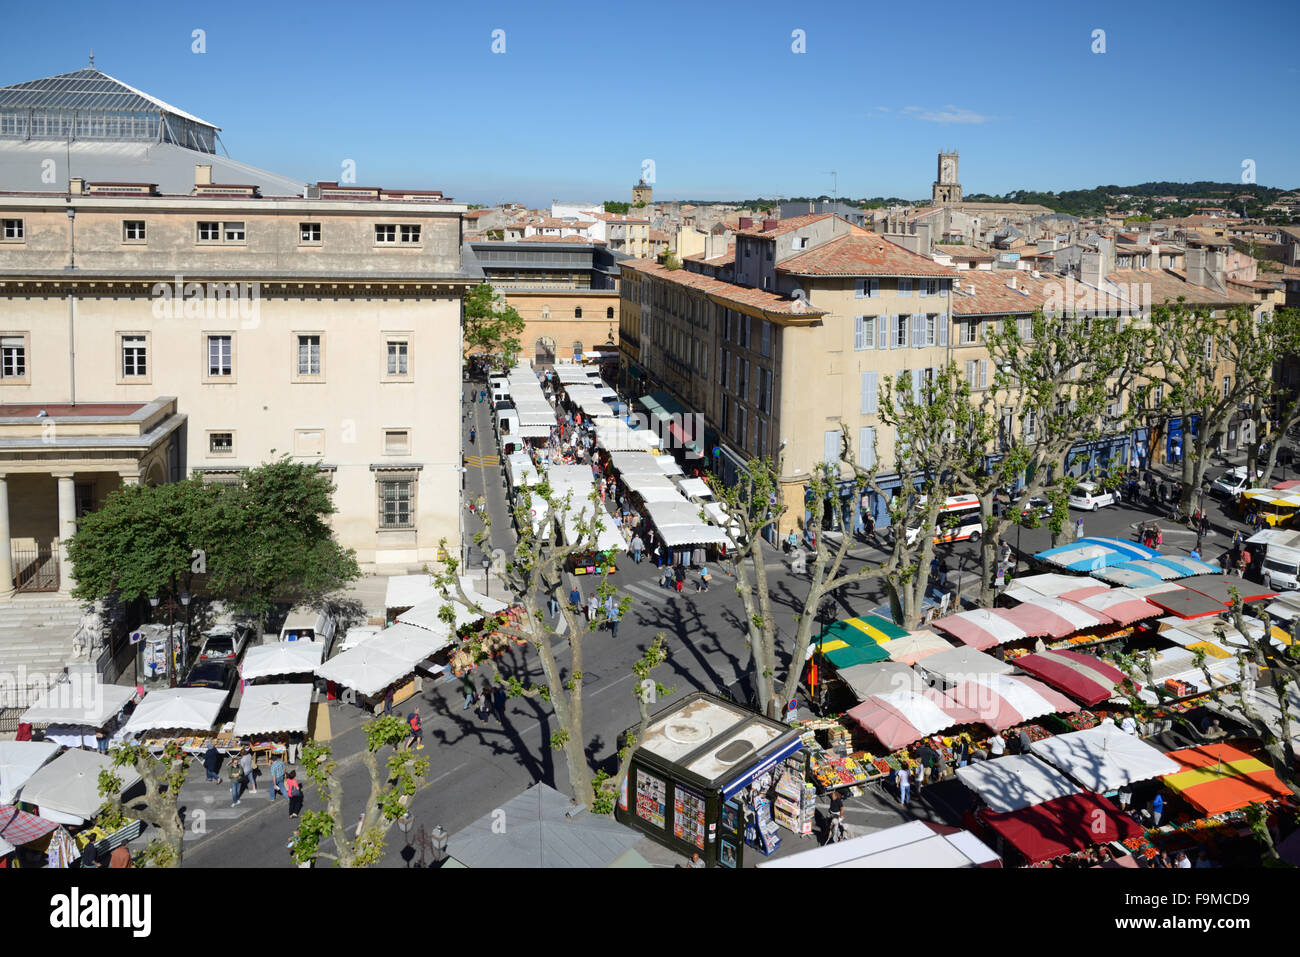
{"x":649,"y":593}
{"x":483,"y":461}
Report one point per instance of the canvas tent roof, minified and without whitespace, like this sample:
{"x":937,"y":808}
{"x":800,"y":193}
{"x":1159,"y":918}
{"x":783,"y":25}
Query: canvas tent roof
{"x":1003,"y":701}
{"x":956,"y":664}
{"x":915,"y":647}
{"x":373,"y":666}
{"x":273,"y":709}
{"x":19,"y":760}
{"x":914,"y":844}
{"x":1217,"y":778}
{"x":69,"y":785}
{"x":1015,"y":781}
{"x":281,"y":658}
{"x":981,"y":628}
{"x":1045,"y":585}
{"x":79,"y":702}
{"x":1082,"y":677}
{"x":880,"y":677}
{"x":541,"y":833}
{"x":191,"y":709}
{"x":900,"y":718}
{"x":1104,"y":758}
{"x":1063,"y":825}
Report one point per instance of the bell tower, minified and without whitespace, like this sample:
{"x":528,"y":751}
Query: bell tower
{"x":946,"y":190}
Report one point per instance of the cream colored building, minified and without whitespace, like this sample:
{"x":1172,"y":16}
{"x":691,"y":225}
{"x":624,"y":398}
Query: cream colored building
{"x":264,"y":326}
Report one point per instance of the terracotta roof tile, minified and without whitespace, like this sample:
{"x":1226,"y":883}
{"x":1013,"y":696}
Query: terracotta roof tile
{"x":862,"y":254}
{"x":730,"y":292}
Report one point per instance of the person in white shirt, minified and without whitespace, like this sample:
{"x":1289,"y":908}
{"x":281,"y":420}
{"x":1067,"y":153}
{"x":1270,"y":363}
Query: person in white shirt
{"x":1128,"y":725}
{"x":904,"y":786}
{"x":997,"y":746}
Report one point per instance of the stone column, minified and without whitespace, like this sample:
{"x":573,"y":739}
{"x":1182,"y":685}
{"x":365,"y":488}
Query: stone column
{"x":67,"y":526}
{"x":6,"y":556}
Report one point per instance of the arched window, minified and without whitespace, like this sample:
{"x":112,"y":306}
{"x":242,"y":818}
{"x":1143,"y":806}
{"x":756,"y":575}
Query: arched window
{"x":577,"y":312}
{"x":609,"y":312}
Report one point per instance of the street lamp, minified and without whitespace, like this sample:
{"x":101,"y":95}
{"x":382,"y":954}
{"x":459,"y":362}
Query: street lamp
{"x":487,"y":581}
{"x":185,"y":601}
{"x":153,"y":605}
{"x":171,"y":642}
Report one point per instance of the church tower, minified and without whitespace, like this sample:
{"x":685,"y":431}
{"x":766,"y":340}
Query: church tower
{"x":642,"y":192}
{"x":947,"y":191}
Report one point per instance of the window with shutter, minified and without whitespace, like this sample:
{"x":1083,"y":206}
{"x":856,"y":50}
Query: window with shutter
{"x":943,"y":329}
{"x":873,"y":288}
{"x":859,"y":289}
{"x":918,"y":380}
{"x":870,"y":389}
{"x":883,"y":332}
{"x":904,"y":287}
{"x":832,"y":446}
{"x":984,"y":373}
{"x":923,"y":289}
{"x":918,"y":331}
{"x":858,"y":328}
{"x":866,"y":447}
{"x":971,"y":372}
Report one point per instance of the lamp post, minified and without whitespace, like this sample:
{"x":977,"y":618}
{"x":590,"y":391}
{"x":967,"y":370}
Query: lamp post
{"x":171,"y":642}
{"x":487,"y":581}
{"x":185,"y":602}
{"x":153,"y":606}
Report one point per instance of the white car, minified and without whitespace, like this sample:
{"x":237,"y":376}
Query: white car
{"x":1231,"y":483}
{"x":225,"y":642}
{"x":1089,"y":496}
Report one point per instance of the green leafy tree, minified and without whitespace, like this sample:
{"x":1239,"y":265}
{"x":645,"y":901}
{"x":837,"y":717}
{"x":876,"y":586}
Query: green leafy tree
{"x":535,"y":572}
{"x":670,"y":260}
{"x":617,"y":208}
{"x":396,"y":776}
{"x":275,"y":542}
{"x":492,"y":326}
{"x":163,"y":777}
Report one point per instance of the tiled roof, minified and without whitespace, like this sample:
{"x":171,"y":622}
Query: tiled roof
{"x":964,"y":252}
{"x":784,"y":226}
{"x":979,"y":293}
{"x":741,"y":295}
{"x":728,"y":257}
{"x":1168,"y":284}
{"x":862,"y":254}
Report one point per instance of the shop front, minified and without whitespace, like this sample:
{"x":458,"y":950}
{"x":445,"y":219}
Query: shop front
{"x":707,"y":778}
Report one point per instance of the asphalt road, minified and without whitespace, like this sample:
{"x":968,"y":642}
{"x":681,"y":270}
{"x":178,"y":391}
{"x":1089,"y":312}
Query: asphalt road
{"x":477,"y":766}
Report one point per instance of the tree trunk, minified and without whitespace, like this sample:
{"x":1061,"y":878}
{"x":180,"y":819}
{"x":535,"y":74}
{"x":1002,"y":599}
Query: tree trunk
{"x":568,"y":708}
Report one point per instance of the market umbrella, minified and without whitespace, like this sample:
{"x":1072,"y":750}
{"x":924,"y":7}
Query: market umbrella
{"x":273,"y":709}
{"x":1217,"y":778}
{"x":1104,"y":758}
{"x":1121,"y":605}
{"x":81,"y":702}
{"x":69,"y":785}
{"x":366,"y":669}
{"x":879,"y":678}
{"x":1081,"y":676}
{"x":1221,"y":588}
{"x":282,"y":658}
{"x":191,"y":709}
{"x":1004,"y":701}
{"x":1015,"y":781}
{"x":981,"y":628}
{"x":1186,"y":603}
{"x":22,"y":827}
{"x":915,"y":647}
{"x":877,"y":629}
{"x":900,"y":718}
{"x":1062,"y":826}
{"x":849,"y":656}
{"x":19,"y":760}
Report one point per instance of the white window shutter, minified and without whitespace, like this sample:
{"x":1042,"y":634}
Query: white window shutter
{"x":866,"y":447}
{"x":870,"y":392}
{"x":916,"y":386}
{"x":858,"y":323}
{"x":869,"y":331}
{"x":943,"y":328}
{"x":832,"y":445}
{"x":984,"y":373}
{"x":918,"y":331}
{"x":882,"y":331}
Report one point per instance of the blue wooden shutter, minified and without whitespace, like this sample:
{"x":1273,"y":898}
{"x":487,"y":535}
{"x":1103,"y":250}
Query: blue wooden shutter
{"x":870,"y":390}
{"x":943,"y":328}
{"x":866,"y":447}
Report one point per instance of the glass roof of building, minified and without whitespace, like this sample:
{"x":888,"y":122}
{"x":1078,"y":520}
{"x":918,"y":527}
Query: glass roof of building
{"x":86,"y":90}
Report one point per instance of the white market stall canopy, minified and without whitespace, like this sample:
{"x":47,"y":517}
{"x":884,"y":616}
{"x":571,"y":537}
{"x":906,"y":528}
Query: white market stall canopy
{"x":1048,"y":585}
{"x":405,"y":591}
{"x":385,"y":659}
{"x":639,"y":482}
{"x":535,"y":431}
{"x":584,"y":510}
{"x":426,"y":614}
{"x":954,"y":665}
{"x":19,"y":760}
{"x":273,"y":709}
{"x":615,"y":435}
{"x":680,"y":512}
{"x":1267,"y":705}
{"x":281,"y":658}
{"x":1015,"y":781}
{"x":1179,"y":664}
{"x":679,"y":536}
{"x":80,"y":702}
{"x":635,"y":463}
{"x":1104,"y":758}
{"x":1003,"y":701}
{"x":914,"y":844}
{"x":522,"y":470}
{"x":189,"y":709}
{"x":668,"y":465}
{"x":663,"y":494}
{"x":69,"y":785}
{"x":695,"y":487}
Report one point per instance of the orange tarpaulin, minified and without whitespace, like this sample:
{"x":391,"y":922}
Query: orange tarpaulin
{"x":1216,"y":778}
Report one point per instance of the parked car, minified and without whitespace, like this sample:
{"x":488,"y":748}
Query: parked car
{"x":1231,"y":483}
{"x":211,"y":674}
{"x":225,"y":642}
{"x":1090,"y":496}
{"x":1037,"y":507}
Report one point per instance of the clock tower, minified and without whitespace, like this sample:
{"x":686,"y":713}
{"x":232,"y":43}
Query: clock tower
{"x":947,"y":190}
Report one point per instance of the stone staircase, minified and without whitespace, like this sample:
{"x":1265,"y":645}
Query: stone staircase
{"x":36,"y":636}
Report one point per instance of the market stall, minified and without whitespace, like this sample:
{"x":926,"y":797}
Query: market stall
{"x":914,"y":844}
{"x":1156,"y":568}
{"x":1014,"y":782}
{"x":1186,"y":603}
{"x":1177,"y":672}
{"x":615,"y":435}
{"x":1267,"y":705}
{"x":1048,"y":585}
{"x":281,"y":658}
{"x":273,"y":711}
{"x":1089,"y":554}
{"x":704,"y":778}
{"x":1081,"y":676}
{"x":1104,"y":759}
{"x":880,"y":678}
{"x":900,"y":718}
{"x":1222,"y":587}
{"x":1216,"y":778}
{"x":981,"y":628}
{"x":1121,"y":605}
{"x":185,"y":709}
{"x":948,"y":668}
{"x":915,"y":647}
{"x":76,"y":709}
{"x":19,"y":760}
{"x":388,"y":660}
{"x":1004,"y":701}
{"x":1054,"y":617}
{"x":66,"y":790}
{"x":18,"y":827}
{"x":1061,"y":826}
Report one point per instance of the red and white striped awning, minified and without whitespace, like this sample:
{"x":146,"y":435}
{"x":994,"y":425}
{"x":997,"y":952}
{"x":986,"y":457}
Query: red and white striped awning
{"x":1004,"y":701}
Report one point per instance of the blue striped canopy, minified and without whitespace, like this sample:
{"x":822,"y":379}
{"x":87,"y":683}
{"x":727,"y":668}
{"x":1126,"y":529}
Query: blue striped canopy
{"x":1152,"y":570}
{"x":1091,"y":554}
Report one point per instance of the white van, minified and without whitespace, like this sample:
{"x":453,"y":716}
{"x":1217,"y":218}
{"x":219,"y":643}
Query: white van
{"x":358,"y":636}
{"x":1281,"y":557}
{"x":304,"y":624}
{"x":499,"y":388}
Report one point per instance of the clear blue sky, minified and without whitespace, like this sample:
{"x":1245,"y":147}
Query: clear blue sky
{"x":711,"y":91}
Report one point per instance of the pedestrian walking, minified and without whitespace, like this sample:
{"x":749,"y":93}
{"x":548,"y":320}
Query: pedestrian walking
{"x":679,"y":577}
{"x":250,"y":773}
{"x":468,"y":688}
{"x":593,"y":608}
{"x":484,"y":701}
{"x":638,"y":547}
{"x":1078,"y":530}
{"x":388,"y":701}
{"x":904,"y":786}
{"x":705,"y":579}
{"x":236,"y":783}
{"x":1157,"y":810}
{"x":613,"y":620}
{"x":294,"y":790}
{"x":277,"y":778}
{"x":499,"y":702}
{"x":211,"y":762}
{"x":473,"y":431}
{"x":416,"y":739}
{"x":575,"y":598}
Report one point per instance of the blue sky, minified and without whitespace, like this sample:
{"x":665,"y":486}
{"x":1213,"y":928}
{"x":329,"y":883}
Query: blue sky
{"x":712,"y":92}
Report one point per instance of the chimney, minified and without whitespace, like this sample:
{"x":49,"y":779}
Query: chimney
{"x":1011,"y":283}
{"x":1154,"y":261}
{"x":746,"y":222}
{"x":76,"y":186}
{"x":1197,"y":273}
{"x":769,"y":224}
{"x":202,"y":175}
{"x":1092,"y":268}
